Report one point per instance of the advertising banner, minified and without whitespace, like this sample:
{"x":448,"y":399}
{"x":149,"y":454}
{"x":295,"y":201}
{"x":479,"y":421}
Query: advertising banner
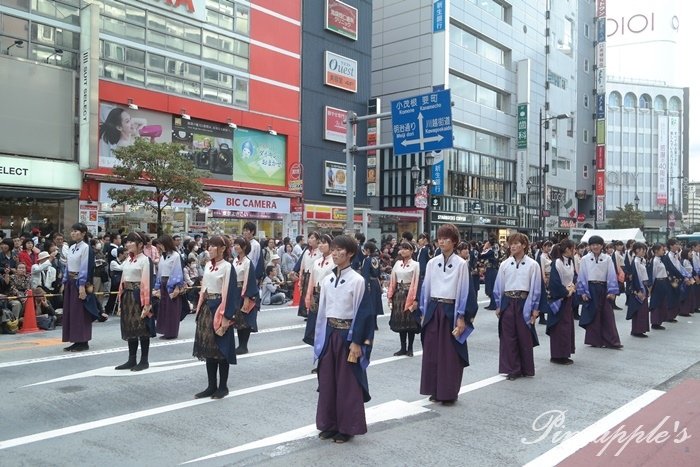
{"x":341,"y":18}
{"x":662,"y":151}
{"x":340,"y":72}
{"x":121,"y":126}
{"x":522,"y":126}
{"x":336,"y":178}
{"x":207,"y":144}
{"x":521,"y":171}
{"x":600,"y":157}
{"x":600,"y":208}
{"x":87,"y":214}
{"x":438,"y":174}
{"x":333,"y":124}
{"x":259,"y":157}
{"x":438,"y":15}
{"x":674,"y":148}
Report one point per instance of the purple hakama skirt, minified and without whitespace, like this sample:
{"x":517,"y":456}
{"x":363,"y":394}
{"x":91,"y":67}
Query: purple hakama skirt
{"x":602,"y":331}
{"x":341,"y":404}
{"x":562,"y":337}
{"x":168,"y":320}
{"x":442,"y":367}
{"x":640,"y":320}
{"x":515,"y":356}
{"x":76,"y":322}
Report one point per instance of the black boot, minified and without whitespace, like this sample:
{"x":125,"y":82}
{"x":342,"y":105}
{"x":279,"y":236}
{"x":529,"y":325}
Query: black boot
{"x":143,"y":364}
{"x":243,"y":336}
{"x":542,"y":320}
{"x":411,"y":336}
{"x":133,"y":346}
{"x":222,"y":391}
{"x":211,"y":376}
{"x":402,"y":337}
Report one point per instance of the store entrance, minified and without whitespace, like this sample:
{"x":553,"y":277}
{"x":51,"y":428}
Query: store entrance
{"x":18,"y":215}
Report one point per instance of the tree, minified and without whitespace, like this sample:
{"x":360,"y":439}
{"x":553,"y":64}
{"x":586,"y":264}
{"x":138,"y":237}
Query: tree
{"x":160,"y":175}
{"x":627,"y":218}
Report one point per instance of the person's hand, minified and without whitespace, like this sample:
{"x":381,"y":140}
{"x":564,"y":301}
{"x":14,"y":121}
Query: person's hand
{"x":535,"y":315}
{"x":174,"y":294}
{"x":307,"y":303}
{"x":610,"y":296}
{"x":459,"y":328}
{"x":585,"y":297}
{"x":156,"y":293}
{"x":498,"y":312}
{"x":146,"y":312}
{"x":355,"y":351}
{"x":81,"y":292}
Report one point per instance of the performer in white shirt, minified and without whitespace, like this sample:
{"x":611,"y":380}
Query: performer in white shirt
{"x":170,"y":284}
{"x":518,"y":292}
{"x":77,"y":322}
{"x":638,"y":292}
{"x":597,"y":285}
{"x":403,"y":298}
{"x":448,"y":307}
{"x":321,"y":266}
{"x":560,"y":319}
{"x":247,"y":315}
{"x":304,"y":264}
{"x":342,"y":347}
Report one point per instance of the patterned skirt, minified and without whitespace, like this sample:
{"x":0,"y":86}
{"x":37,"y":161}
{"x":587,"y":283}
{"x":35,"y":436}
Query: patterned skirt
{"x":302,"y":311}
{"x":132,"y":325}
{"x":204,"y":337}
{"x":401,"y":320}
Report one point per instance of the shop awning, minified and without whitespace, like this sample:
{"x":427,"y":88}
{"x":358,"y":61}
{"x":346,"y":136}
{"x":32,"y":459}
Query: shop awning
{"x":37,"y":193}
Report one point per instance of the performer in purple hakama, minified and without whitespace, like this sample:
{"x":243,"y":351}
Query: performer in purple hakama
{"x":638,"y":292}
{"x":597,"y":286}
{"x":219,"y":301}
{"x":80,"y":263}
{"x":678,"y":278}
{"x":695,"y":261}
{"x":448,"y":307}
{"x":687,"y":304}
{"x":660,"y":290}
{"x":170,"y":282}
{"x":560,"y":319}
{"x":519,"y":296}
{"x":136,"y":317}
{"x":321,"y":267}
{"x":246,"y":319}
{"x":342,"y":347}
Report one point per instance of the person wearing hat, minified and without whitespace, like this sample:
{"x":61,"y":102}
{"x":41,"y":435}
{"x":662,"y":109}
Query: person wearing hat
{"x":270,"y":292}
{"x":597,"y":286}
{"x":43,"y":274}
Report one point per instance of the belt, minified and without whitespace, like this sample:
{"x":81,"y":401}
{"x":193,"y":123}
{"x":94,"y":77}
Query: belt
{"x":442,"y":300}
{"x":131,"y":285}
{"x":598,"y":282}
{"x":402,"y":285}
{"x":337,"y":323}
{"x":661,"y":278}
{"x":164,"y":278}
{"x":72,"y":275}
{"x":240,"y":284}
{"x":517,"y":294}
{"x":213,"y":296}
{"x":317,"y":289}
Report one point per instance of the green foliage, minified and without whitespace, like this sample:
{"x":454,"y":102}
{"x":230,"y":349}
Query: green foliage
{"x":628,"y":217}
{"x":162,"y":167}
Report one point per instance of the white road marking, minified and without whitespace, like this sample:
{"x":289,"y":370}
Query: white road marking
{"x":565,"y":449}
{"x":392,"y":410}
{"x":154,"y":343}
{"x":155,"y":367}
{"x":163,"y":409}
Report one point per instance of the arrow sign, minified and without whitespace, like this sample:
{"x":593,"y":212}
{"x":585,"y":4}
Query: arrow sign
{"x":422,"y":123}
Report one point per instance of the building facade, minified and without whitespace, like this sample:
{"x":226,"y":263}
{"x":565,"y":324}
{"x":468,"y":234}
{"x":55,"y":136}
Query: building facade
{"x":220,"y":77}
{"x":501,"y":61}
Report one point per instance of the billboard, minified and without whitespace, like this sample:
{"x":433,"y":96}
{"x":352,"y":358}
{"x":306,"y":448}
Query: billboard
{"x":340,"y":72}
{"x":341,"y":18}
{"x":121,"y":126}
{"x":336,"y":178}
{"x":207,"y":144}
{"x":259,"y":157}
{"x":334,"y":128}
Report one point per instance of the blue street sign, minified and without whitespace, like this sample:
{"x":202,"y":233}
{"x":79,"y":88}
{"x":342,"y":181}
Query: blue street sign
{"x":422,"y":123}
{"x":439,"y":15}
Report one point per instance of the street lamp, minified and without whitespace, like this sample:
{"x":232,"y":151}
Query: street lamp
{"x":56,"y":53}
{"x":636,"y":202}
{"x":544,"y":167}
{"x":18,"y":43}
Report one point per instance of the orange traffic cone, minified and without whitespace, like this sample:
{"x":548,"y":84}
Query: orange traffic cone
{"x":29,"y":322}
{"x":296,"y":296}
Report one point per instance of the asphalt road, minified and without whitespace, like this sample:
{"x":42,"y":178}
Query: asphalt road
{"x":74,"y":409}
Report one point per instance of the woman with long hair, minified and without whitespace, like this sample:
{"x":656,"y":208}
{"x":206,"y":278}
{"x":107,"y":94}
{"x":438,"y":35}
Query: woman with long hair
{"x":560,"y":319}
{"x":135,"y":302}
{"x":170,"y":283}
{"x":219,"y":298}
{"x":303,"y":267}
{"x":76,"y":322}
{"x":638,"y":291}
{"x":403,"y":299}
{"x":247,"y":313}
{"x":371,"y":271}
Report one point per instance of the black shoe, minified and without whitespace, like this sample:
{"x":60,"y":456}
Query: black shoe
{"x":672,"y":320}
{"x":70,"y":347}
{"x":409,"y":353}
{"x":103,"y":317}
{"x":220,"y":393}
{"x":658,"y":327}
{"x":433,"y":399}
{"x":80,"y":347}
{"x":341,"y":438}
{"x":616,"y":347}
{"x":206,"y":393}
{"x":561,"y":361}
{"x":314,"y":371}
{"x":126,"y":366}
{"x":241,"y":350}
{"x":400,"y":353}
{"x":512,"y":377}
{"x":641,"y":334}
{"x":141,"y":366}
{"x":328,"y":434}
{"x":616,"y":308}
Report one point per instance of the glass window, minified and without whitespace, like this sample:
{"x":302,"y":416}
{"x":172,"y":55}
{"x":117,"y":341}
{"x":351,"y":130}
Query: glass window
{"x":487,"y":166}
{"x":113,"y":71}
{"x":674,"y":104}
{"x":615,"y":99}
{"x":156,"y":62}
{"x":191,"y":88}
{"x":17,"y":4}
{"x":586,"y":65}
{"x":242,"y":25}
{"x":60,"y":10}
{"x":644,"y":101}
{"x":134,"y":75}
{"x":241,"y":92}
{"x":136,"y":57}
{"x":15,"y":27}
{"x":155,"y":81}
{"x":630,"y":101}
{"x":660,"y":103}
{"x":585,"y":100}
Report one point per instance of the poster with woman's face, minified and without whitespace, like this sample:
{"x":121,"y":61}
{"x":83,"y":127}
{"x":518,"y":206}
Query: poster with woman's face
{"x":121,"y":126}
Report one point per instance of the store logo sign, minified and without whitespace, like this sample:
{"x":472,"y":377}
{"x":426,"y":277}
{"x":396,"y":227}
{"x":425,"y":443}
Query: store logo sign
{"x":190,"y":8}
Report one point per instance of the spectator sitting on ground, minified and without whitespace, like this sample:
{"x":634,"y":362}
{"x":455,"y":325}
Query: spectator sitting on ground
{"x":270,"y":293}
{"x":45,"y":314}
{"x":20,"y":282}
{"x":43,"y":273}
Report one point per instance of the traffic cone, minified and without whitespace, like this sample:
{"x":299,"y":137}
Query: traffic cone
{"x":296,"y":296}
{"x":29,"y":321}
